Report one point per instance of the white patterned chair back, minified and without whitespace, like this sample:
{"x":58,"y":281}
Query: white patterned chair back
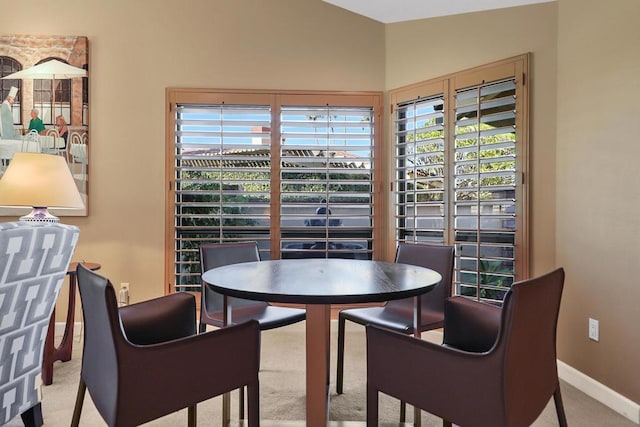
{"x":33,"y":263}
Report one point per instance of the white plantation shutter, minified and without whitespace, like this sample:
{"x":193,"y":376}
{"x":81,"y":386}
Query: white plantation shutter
{"x":257,"y":165}
{"x":485,"y":189}
{"x":420,"y":171}
{"x":326,"y":182}
{"x":222,"y":182}
{"x":460,"y":155}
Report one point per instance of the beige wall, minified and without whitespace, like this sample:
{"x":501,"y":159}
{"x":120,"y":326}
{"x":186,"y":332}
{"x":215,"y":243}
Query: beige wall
{"x":598,"y":188}
{"x":138,"y":48}
{"x":425,"y":49}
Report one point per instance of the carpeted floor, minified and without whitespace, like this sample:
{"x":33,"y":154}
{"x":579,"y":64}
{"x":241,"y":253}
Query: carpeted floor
{"x":282,"y":385}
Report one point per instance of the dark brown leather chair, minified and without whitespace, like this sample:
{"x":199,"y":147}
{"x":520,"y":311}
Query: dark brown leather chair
{"x":214,"y":255}
{"x":211,"y":307}
{"x":398,"y":315}
{"x":145,"y":360}
{"x":497,"y":367}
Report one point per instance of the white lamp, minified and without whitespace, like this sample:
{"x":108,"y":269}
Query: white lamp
{"x":40,"y":181}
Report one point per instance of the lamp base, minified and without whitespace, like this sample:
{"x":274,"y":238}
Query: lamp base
{"x":40,"y":214}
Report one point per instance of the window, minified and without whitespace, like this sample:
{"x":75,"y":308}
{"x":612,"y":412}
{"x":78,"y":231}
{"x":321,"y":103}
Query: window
{"x":293,"y":171}
{"x":9,"y":66}
{"x":222,"y":181}
{"x":326,"y":197}
{"x":52,"y":103}
{"x":461,"y":155}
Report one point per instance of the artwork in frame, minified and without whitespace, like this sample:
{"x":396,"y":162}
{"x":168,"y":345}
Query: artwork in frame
{"x":49,"y":76}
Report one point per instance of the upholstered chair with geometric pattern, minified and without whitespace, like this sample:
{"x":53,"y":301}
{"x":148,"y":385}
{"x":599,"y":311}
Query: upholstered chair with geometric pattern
{"x":33,"y":263}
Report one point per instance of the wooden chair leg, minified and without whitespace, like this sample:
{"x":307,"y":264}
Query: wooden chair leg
{"x":202,"y":327}
{"x":32,"y":417}
{"x":446,"y":423}
{"x":77,"y":410}
{"x":403,"y":411}
{"x":241,"y":403}
{"x":557,"y":399}
{"x":226,"y":409}
{"x":340,"y":361}
{"x":192,"y":415}
{"x":372,"y":407}
{"x":253,"y":405}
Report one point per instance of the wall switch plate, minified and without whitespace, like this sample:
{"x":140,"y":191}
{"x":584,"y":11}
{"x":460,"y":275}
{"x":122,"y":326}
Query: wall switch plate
{"x":594,"y":329}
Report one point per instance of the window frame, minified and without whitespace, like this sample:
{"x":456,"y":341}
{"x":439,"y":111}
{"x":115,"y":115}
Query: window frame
{"x":277,"y":99}
{"x":517,"y":68}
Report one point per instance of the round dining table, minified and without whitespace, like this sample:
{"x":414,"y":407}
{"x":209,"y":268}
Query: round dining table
{"x":318,"y":283}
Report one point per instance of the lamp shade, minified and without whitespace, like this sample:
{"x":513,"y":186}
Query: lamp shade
{"x":39,"y":180}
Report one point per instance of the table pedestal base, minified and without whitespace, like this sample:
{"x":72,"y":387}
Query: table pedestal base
{"x":318,"y":338}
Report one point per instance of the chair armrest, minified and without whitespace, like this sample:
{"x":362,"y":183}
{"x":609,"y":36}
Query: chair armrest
{"x":433,"y":377}
{"x":194,"y":368}
{"x":470,"y":325}
{"x":161,"y":319}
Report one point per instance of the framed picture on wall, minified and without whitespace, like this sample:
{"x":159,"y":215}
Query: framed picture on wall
{"x":46,"y":79}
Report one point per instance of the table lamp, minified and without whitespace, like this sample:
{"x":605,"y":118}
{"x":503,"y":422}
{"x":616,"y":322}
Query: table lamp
{"x":40,"y":181}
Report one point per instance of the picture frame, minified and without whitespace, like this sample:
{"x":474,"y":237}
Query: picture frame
{"x":34,"y":64}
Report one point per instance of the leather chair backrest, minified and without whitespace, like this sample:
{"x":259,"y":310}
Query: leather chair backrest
{"x":33,"y":264}
{"x":528,"y":340}
{"x":436,"y":257}
{"x":215,"y":255}
{"x":103,"y":332}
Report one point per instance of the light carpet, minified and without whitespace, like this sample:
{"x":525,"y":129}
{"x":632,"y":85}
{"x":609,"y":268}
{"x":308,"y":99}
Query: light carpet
{"x":282,"y":390}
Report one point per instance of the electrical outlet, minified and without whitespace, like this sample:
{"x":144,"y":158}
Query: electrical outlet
{"x":594,"y":329}
{"x":123,"y":295}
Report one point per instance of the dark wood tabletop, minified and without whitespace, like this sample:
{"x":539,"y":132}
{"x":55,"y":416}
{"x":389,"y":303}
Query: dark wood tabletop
{"x":321,"y":281}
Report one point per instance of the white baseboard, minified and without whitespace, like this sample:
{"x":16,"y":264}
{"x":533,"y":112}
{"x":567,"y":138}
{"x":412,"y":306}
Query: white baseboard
{"x":598,"y":391}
